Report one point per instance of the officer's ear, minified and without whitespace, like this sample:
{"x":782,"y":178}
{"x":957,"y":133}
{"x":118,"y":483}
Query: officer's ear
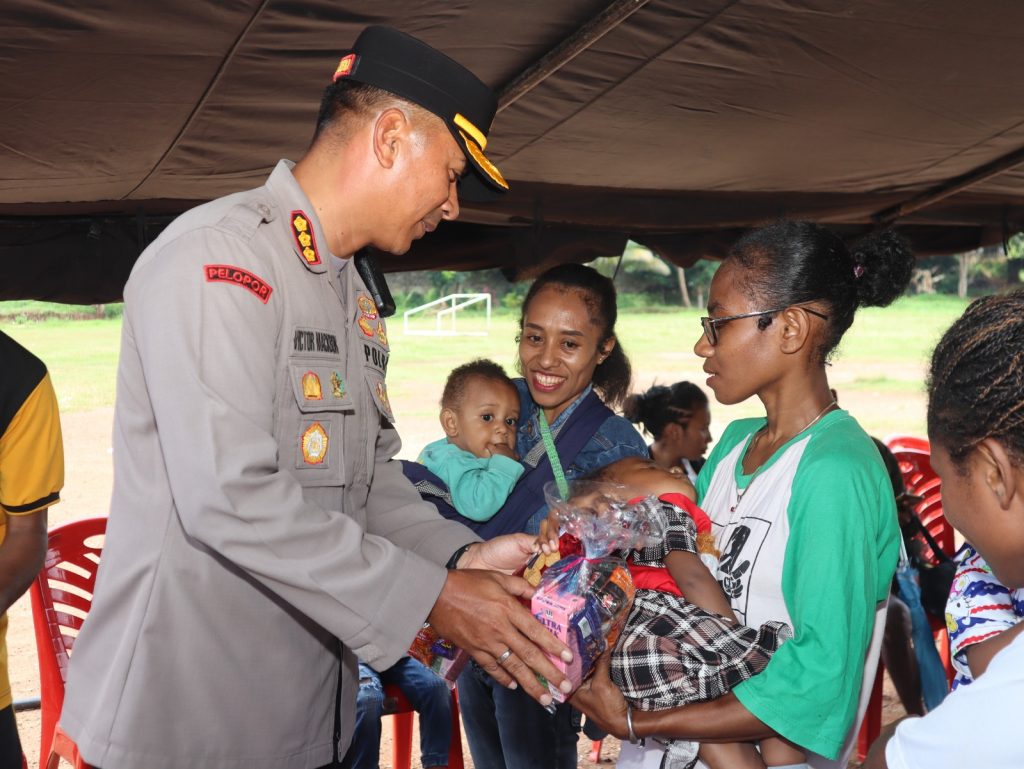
{"x":389,"y":130}
{"x":449,"y":422}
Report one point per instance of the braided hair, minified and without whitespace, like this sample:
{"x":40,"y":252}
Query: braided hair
{"x":663,"y":405}
{"x":976,"y":380}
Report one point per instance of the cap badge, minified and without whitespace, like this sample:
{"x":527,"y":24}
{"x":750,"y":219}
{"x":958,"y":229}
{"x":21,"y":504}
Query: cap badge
{"x":311,"y":390}
{"x":314,"y":444}
{"x":337,"y":385}
{"x":305,"y":240}
{"x":345,"y":66}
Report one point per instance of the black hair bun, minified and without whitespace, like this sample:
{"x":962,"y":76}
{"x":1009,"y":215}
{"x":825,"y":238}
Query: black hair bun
{"x":882,"y":267}
{"x":633,"y":407}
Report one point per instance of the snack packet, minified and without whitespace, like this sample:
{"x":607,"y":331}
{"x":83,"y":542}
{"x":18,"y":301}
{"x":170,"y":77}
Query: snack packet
{"x":443,"y":657}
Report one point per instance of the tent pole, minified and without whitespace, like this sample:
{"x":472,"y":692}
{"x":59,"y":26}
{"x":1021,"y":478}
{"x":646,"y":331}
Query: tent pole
{"x":611,"y":17}
{"x":950,"y":187}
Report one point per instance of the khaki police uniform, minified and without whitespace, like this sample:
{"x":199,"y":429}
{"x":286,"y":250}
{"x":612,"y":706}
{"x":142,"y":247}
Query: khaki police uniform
{"x":260,"y":538}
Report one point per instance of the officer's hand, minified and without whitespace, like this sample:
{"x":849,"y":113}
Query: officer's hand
{"x":505,"y":553}
{"x":480,"y":612}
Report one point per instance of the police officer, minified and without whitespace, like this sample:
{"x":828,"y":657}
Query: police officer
{"x":260,"y":537}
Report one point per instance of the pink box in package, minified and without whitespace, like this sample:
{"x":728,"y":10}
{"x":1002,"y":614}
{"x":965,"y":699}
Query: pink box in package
{"x":573,"y":620}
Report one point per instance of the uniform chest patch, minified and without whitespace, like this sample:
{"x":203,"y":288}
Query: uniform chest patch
{"x":226,"y":273}
{"x":314,"y":444}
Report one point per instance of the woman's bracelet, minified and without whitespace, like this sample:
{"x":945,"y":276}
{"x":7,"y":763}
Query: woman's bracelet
{"x":633,"y":739}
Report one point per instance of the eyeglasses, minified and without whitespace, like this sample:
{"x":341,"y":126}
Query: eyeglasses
{"x":710,"y":325}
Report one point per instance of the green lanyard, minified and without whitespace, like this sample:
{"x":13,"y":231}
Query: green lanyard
{"x":549,"y":447}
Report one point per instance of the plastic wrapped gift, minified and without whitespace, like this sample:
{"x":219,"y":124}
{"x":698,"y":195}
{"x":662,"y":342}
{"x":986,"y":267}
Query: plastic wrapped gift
{"x":584,"y":598}
{"x":443,"y":657}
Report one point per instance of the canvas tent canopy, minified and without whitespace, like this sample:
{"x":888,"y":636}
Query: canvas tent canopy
{"x":675,"y":124}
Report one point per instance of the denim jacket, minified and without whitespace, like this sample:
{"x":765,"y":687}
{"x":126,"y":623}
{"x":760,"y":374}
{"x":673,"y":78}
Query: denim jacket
{"x":615,"y":439}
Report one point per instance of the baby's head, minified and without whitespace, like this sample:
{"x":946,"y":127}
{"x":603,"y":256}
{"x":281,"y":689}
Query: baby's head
{"x":643,"y":476}
{"x":480,"y":408}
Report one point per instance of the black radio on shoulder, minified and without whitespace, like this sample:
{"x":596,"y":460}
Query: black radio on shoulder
{"x":366,"y":266}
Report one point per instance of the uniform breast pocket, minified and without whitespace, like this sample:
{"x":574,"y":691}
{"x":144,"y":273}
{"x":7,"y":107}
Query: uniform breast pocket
{"x":316,"y":426}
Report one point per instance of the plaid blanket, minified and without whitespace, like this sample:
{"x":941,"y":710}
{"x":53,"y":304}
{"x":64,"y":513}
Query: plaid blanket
{"x":672,"y":652}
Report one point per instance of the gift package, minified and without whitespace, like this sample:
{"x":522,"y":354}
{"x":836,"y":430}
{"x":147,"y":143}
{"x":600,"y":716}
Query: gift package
{"x":584,"y":597}
{"x":443,"y":657}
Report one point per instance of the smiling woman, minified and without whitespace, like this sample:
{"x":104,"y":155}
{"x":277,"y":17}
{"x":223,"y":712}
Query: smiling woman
{"x":573,"y":368}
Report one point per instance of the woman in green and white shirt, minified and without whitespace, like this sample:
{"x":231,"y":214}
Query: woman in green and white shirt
{"x":800,"y":502}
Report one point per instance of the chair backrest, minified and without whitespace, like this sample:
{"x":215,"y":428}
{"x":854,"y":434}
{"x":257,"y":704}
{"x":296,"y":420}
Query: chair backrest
{"x":941,"y":530}
{"x":61,"y":598}
{"x":916,"y":466}
{"x":912,"y":442}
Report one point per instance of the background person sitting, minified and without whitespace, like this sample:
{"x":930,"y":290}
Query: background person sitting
{"x":428,"y":695}
{"x":678,"y":418}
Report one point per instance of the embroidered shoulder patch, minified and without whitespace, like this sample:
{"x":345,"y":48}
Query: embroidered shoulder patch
{"x":226,"y":273}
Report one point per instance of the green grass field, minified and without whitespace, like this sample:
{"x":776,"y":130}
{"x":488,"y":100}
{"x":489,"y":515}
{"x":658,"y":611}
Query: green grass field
{"x":879,"y":371}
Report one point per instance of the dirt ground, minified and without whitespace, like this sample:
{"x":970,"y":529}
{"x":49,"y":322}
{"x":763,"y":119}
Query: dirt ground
{"x":88,"y":482}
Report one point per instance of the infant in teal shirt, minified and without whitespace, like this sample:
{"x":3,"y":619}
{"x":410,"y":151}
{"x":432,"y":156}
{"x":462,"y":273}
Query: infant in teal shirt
{"x":477,"y":458}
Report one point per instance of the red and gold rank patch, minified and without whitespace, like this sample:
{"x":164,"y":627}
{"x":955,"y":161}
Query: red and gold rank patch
{"x":314,"y":444}
{"x":226,"y":273}
{"x":302,"y":231}
{"x":345,"y":66}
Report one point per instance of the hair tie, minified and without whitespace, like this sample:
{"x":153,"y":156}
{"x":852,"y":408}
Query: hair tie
{"x":858,"y":271}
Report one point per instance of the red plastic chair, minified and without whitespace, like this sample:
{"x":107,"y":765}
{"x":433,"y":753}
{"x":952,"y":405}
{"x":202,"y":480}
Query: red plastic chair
{"x":912,"y":442}
{"x":61,"y":598}
{"x":401,"y":745}
{"x":918,"y":475}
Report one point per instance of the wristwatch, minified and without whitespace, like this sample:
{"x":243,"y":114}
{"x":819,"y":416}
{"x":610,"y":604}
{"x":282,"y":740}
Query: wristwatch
{"x":453,"y":562}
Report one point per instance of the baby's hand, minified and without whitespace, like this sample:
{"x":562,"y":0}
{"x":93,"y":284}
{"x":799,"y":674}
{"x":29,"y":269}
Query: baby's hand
{"x":504,"y":450}
{"x":547,"y":540}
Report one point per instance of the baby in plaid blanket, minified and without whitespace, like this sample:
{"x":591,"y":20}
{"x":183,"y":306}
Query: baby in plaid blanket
{"x":682,"y":642}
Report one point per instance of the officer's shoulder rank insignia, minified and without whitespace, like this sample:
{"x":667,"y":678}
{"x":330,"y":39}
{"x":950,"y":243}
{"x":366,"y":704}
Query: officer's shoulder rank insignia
{"x":314,"y":444}
{"x":305,"y":239}
{"x":311,"y":389}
